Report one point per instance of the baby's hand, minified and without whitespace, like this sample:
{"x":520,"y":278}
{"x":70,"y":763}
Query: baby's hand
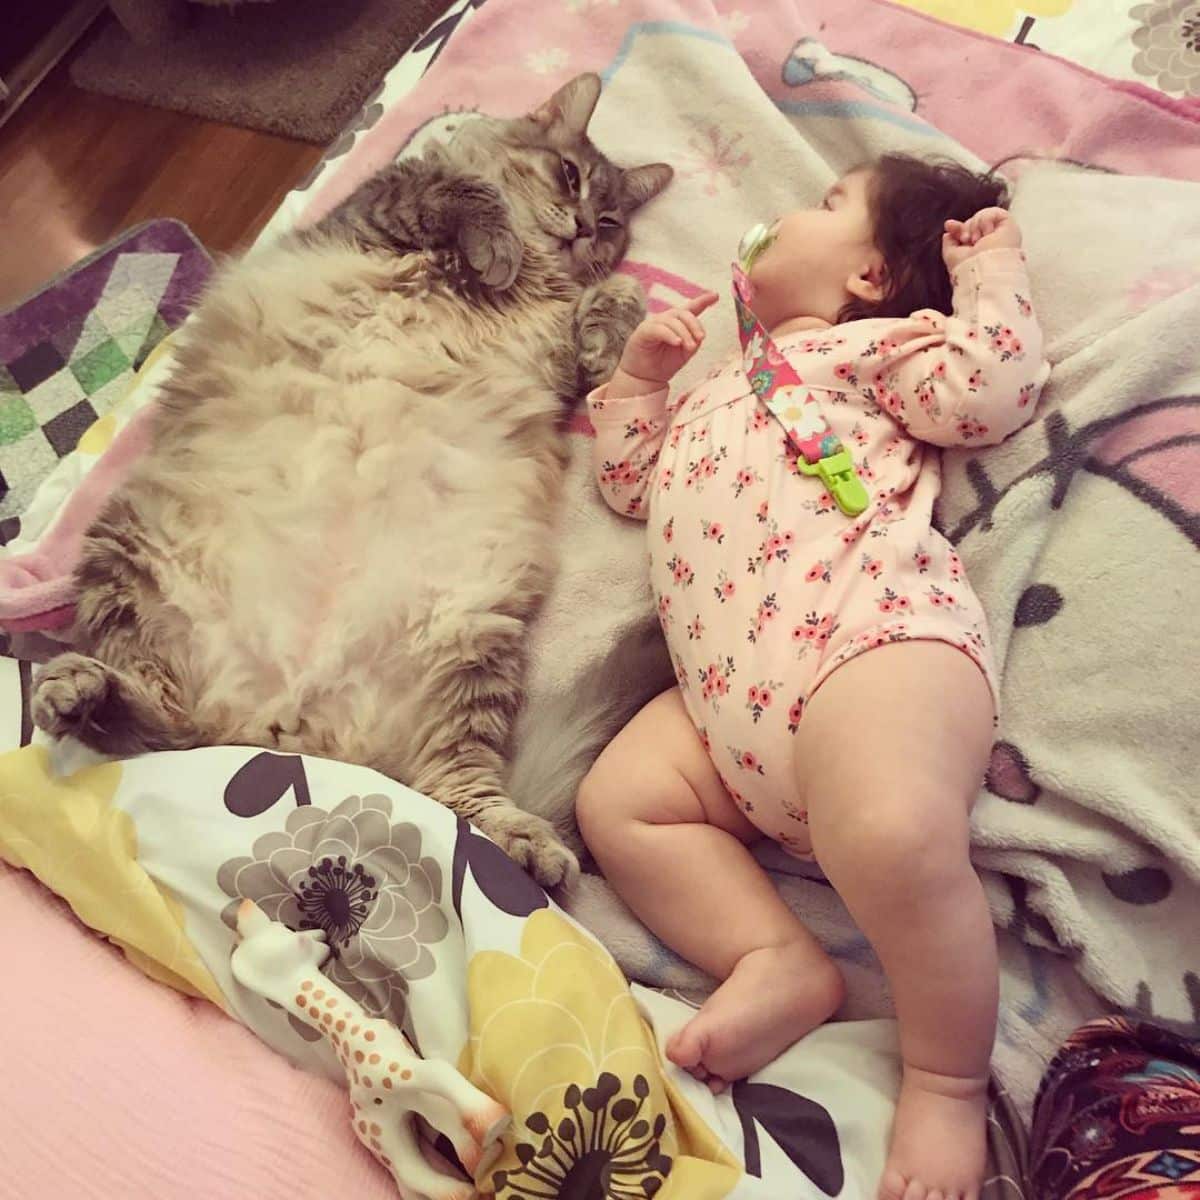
{"x":663,"y":343}
{"x":988,"y":229}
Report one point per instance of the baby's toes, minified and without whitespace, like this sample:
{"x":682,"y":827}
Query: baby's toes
{"x":892,"y":1185}
{"x":916,"y":1190}
{"x":685,"y":1049}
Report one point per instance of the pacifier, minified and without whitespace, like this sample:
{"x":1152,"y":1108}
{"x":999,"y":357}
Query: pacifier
{"x":754,"y":241}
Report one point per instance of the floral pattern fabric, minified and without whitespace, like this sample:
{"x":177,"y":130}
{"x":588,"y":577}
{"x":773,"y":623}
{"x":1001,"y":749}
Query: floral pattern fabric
{"x":763,"y":586}
{"x":1168,"y":44}
{"x":360,"y":879}
{"x":1152,"y":42}
{"x":485,"y":971}
{"x":595,"y":1109}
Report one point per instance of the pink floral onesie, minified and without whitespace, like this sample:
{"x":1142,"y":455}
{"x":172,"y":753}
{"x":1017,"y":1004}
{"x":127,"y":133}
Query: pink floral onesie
{"x":763,"y":586}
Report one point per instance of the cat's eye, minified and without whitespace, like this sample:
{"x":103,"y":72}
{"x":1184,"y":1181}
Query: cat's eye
{"x":571,"y":175}
{"x":608,"y":223}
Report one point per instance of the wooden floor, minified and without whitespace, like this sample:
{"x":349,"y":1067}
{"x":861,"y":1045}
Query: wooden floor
{"x":76,"y":169}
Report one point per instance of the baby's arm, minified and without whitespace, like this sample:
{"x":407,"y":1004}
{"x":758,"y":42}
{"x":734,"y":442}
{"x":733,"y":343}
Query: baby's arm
{"x":629,"y":412}
{"x":972,"y":378}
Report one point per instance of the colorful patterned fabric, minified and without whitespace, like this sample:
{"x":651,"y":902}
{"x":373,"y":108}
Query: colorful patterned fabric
{"x":1118,"y":1116}
{"x":775,"y":382}
{"x":68,"y":353}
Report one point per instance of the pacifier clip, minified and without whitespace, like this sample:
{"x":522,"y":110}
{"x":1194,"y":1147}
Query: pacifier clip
{"x":819,"y":451}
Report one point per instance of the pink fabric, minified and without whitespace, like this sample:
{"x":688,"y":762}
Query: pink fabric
{"x":37,"y":589}
{"x":114,"y":1086}
{"x":764,"y":587}
{"x":1052,"y":108}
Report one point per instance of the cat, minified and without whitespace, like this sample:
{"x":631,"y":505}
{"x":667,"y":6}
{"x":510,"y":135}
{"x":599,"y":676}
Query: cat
{"x":345,"y":522}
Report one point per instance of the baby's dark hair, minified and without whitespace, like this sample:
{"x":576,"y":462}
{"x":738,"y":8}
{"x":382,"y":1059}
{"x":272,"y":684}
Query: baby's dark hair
{"x":910,"y":200}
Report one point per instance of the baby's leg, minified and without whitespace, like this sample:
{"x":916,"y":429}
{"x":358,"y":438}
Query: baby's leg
{"x":890,"y":755}
{"x":658,"y":820}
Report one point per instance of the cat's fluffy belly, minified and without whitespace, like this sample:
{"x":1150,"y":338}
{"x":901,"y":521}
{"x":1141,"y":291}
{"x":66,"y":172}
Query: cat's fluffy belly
{"x":338,"y":529}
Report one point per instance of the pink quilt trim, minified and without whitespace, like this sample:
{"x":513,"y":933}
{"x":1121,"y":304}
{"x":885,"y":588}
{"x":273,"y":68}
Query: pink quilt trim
{"x":37,"y":589}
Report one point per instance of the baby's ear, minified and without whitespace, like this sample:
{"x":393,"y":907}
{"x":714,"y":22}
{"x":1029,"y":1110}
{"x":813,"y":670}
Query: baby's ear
{"x":869,"y":283}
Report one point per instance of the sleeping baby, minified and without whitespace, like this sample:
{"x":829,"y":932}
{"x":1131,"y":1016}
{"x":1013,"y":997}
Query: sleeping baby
{"x":836,"y":686}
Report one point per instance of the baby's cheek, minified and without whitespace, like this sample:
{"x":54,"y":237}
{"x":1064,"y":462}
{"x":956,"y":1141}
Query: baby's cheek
{"x":773,"y":286}
{"x":763,"y":275}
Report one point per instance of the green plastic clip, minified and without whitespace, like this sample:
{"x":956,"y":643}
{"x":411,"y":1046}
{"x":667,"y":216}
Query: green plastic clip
{"x":837,"y":473}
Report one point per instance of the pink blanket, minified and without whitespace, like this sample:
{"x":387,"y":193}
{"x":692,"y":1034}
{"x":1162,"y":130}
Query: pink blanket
{"x":154,"y":1095}
{"x":998,"y":99}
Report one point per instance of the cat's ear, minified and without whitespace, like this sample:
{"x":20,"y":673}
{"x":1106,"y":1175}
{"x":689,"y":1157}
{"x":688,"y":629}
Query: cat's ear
{"x":571,"y":106}
{"x":644,"y":183}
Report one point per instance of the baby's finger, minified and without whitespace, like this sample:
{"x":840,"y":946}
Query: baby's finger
{"x":677,"y":327}
{"x":662,"y":334}
{"x":990,"y":219}
{"x":954,"y":229}
{"x":694,"y":326}
{"x":697,"y":304}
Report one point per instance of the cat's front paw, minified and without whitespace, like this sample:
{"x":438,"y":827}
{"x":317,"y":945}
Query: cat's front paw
{"x":532,"y":843}
{"x":605,"y":317}
{"x":492,"y":250}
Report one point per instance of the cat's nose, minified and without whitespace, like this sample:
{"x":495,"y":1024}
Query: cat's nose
{"x":583,"y":228}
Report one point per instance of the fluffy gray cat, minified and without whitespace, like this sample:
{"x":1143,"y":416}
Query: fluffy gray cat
{"x":345,"y":521}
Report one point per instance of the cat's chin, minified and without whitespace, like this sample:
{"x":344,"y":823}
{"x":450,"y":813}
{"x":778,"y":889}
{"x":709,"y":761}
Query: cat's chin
{"x":561,"y":252}
{"x":581,"y":265}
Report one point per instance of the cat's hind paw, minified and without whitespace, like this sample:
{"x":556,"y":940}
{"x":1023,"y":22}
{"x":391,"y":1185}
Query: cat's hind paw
{"x":67,"y":692}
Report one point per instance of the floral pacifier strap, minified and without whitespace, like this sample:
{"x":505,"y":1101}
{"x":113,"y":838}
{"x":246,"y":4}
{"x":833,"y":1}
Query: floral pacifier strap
{"x":778,"y":386}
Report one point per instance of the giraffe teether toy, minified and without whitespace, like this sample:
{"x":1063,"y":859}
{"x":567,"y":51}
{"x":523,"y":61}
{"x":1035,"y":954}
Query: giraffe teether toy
{"x":389,"y":1081}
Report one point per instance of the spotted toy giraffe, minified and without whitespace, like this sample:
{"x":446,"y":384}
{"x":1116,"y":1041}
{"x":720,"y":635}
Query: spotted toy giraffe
{"x":389,"y":1081}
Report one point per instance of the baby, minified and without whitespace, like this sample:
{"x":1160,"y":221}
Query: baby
{"x":836,"y":687}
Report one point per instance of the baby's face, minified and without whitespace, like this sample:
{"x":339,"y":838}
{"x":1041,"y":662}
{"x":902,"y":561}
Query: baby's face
{"x":811,"y":267}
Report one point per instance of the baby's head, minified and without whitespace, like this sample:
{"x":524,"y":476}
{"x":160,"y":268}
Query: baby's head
{"x":873,"y":248}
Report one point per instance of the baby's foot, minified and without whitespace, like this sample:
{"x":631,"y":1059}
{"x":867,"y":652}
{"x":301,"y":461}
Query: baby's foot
{"x":939,"y":1145}
{"x":773,"y":998}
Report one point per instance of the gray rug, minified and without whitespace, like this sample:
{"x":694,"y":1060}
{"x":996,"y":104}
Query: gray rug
{"x":299,"y":68}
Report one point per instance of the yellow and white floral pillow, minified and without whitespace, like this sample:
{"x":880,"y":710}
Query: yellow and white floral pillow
{"x":435,"y":929}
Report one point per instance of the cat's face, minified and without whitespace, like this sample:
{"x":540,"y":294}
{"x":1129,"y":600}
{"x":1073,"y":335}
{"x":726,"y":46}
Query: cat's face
{"x":570,"y":199}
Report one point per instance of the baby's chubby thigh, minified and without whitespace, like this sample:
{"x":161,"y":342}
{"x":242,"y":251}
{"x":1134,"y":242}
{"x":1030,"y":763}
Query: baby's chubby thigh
{"x":895,"y":743}
{"x":751,"y":742}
